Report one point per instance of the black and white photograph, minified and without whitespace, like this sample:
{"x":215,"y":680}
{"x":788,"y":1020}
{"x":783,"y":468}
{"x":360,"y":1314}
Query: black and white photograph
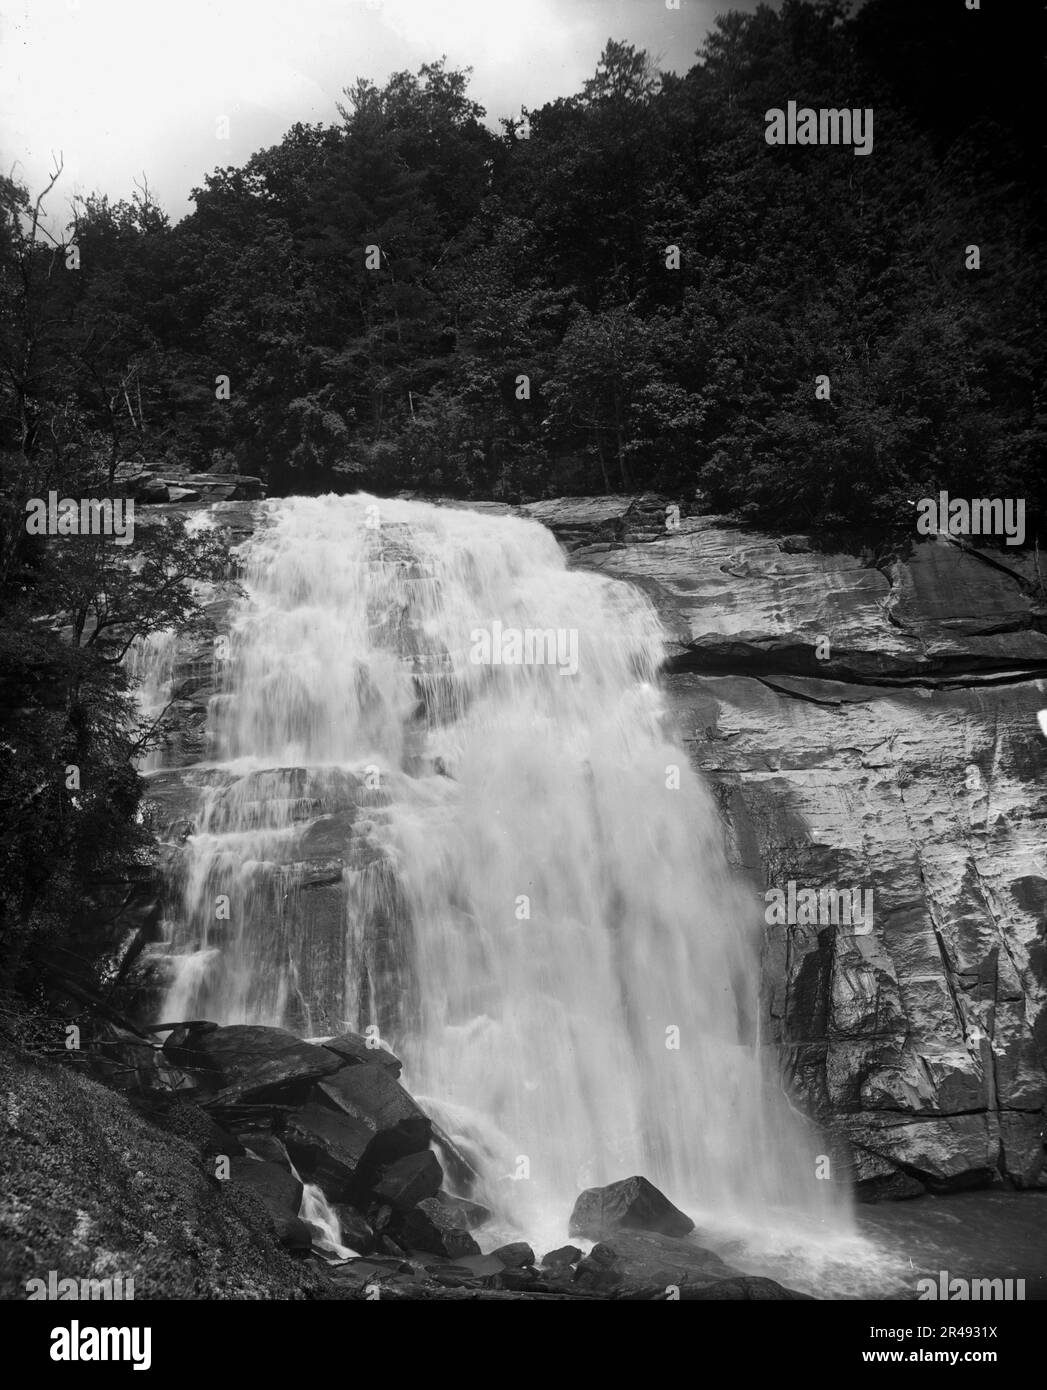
{"x":523,"y":674}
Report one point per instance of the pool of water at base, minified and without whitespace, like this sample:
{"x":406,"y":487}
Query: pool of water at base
{"x":967,"y":1235}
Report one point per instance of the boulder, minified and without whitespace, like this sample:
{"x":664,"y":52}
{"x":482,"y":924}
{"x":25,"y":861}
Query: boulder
{"x":372,"y":1097}
{"x":514,"y":1256}
{"x":467,"y":1214}
{"x":408,"y":1180}
{"x":268,"y":1147}
{"x":380,"y":1217}
{"x":431,"y":1226}
{"x":631,"y":1204}
{"x":598,"y":1270}
{"x":641,"y":1265}
{"x":744,"y":1289}
{"x":251,"y":1063}
{"x":280,"y":1193}
{"x":562,"y":1257}
{"x":147,"y":488}
{"x":356,"y":1231}
{"x":184,"y":1044}
{"x":387,"y":1245}
{"x":645,"y":1259}
{"x":328,"y":1148}
{"x":355,"y":1049}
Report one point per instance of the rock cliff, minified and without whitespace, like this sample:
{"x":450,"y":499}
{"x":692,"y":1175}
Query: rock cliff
{"x":868,"y":720}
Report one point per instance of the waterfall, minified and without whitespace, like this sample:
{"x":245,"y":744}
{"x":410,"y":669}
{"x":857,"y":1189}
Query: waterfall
{"x":444,"y":801}
{"x":316,"y":1211}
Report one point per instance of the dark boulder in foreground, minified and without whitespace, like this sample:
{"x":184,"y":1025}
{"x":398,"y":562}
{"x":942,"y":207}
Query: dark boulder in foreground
{"x":409,"y":1180}
{"x":430,"y":1226}
{"x":647,"y":1259}
{"x":514,"y":1256}
{"x":633,"y":1204}
{"x":643,"y":1266}
{"x":355,"y":1049}
{"x":328,"y":1148}
{"x":562,"y":1257}
{"x":244,"y":1062}
{"x":268,"y":1147}
{"x":356,"y":1231}
{"x":747,"y":1288}
{"x":599,"y":1271}
{"x":371,"y":1096}
{"x":467,"y":1214}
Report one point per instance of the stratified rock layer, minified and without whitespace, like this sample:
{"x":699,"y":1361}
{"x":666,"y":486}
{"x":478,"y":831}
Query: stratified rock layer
{"x":868,"y":720}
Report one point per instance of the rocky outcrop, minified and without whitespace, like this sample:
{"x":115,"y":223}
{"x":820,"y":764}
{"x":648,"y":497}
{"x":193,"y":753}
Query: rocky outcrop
{"x":409,"y":1180}
{"x":433,"y":1227}
{"x":634,"y":1263}
{"x":633,"y":1204}
{"x":248,"y":1063}
{"x":162,"y":484}
{"x":258,"y":1113}
{"x":866,"y":716}
{"x":93,"y":1189}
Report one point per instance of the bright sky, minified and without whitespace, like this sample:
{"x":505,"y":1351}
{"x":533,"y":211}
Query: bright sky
{"x":123,"y":87}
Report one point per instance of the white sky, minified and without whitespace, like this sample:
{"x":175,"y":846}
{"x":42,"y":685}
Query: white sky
{"x":123,"y":87}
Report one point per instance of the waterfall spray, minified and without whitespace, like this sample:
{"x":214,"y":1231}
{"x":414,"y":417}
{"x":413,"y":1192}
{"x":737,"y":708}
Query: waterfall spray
{"x":536,"y":910}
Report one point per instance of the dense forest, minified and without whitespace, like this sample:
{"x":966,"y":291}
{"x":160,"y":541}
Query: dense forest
{"x":520,"y":326}
{"x":627,"y":289}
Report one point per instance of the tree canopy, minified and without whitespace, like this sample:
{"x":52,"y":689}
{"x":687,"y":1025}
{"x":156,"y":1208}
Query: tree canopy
{"x":626,"y":288}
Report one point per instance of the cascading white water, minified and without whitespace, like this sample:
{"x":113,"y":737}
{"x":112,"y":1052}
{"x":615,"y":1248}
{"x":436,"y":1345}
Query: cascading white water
{"x":535,"y":906}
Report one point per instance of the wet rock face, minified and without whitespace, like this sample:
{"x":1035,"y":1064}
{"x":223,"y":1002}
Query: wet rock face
{"x":430,"y":1226}
{"x":249,"y":1063}
{"x":631,"y":1204}
{"x":870,"y":723}
{"x":274,"y":1112}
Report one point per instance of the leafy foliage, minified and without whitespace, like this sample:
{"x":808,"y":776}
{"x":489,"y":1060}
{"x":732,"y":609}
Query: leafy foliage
{"x":515,"y":329}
